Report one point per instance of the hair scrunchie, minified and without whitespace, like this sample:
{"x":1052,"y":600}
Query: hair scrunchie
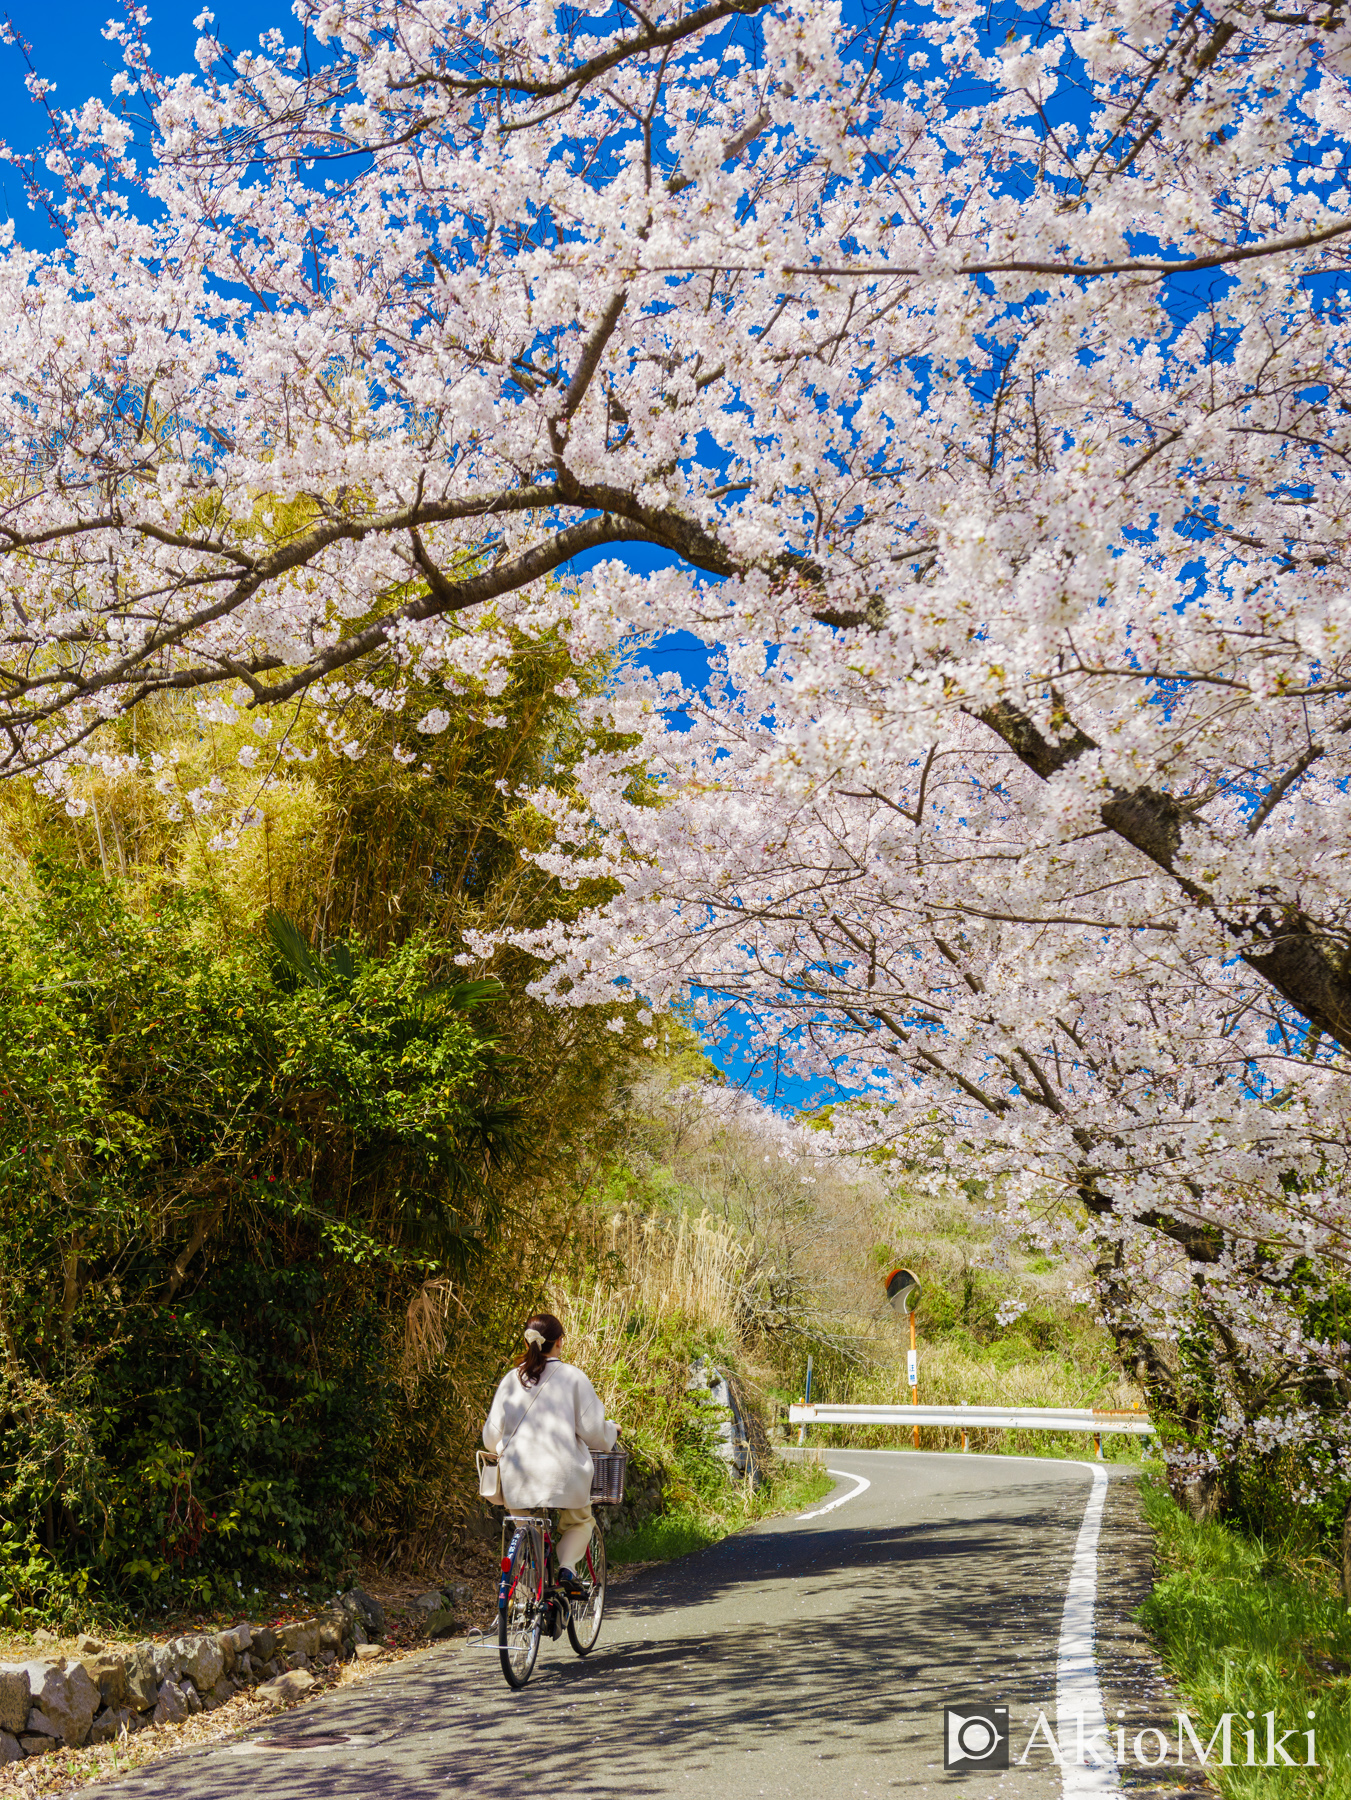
{"x":534,"y":1337}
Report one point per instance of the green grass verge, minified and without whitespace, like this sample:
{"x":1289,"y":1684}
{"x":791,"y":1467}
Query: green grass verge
{"x":1242,"y":1632}
{"x":685,"y":1529}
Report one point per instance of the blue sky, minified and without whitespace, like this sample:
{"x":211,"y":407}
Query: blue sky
{"x":69,"y":49}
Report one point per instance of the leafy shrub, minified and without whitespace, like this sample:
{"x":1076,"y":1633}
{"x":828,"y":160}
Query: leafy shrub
{"x":219,"y":1166}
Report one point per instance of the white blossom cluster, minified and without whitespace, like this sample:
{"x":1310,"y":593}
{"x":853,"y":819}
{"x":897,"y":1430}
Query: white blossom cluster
{"x":977,"y":383}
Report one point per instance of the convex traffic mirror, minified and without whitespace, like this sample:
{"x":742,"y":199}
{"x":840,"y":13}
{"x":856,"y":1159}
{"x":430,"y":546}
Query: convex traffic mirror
{"x":903,"y":1290}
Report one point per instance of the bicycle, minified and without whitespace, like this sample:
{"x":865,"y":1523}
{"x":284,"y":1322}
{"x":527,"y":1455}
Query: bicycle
{"x":529,"y":1602}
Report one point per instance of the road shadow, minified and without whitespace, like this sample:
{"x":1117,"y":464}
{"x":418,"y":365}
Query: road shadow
{"x":846,"y":1644}
{"x":963,"y":1545}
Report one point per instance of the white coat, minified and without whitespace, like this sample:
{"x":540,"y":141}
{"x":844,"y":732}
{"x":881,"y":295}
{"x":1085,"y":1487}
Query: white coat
{"x":546,"y":1434}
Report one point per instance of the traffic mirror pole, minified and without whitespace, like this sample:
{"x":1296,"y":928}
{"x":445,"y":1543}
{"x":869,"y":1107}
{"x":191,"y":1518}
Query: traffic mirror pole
{"x":913,"y":1373}
{"x":903,"y":1297}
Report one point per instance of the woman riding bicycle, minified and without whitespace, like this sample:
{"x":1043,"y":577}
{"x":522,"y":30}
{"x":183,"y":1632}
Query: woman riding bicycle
{"x":545,"y":1421}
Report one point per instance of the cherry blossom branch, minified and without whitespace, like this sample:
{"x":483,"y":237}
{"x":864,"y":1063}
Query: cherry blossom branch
{"x":1218,"y":259}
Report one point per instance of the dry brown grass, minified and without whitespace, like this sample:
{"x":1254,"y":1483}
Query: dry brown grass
{"x":686,"y":1278}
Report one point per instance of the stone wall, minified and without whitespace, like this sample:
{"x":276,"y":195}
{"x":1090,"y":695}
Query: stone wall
{"x":102,"y":1694}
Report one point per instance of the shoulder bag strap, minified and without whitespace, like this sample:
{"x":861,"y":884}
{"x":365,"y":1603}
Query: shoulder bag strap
{"x":526,"y":1414}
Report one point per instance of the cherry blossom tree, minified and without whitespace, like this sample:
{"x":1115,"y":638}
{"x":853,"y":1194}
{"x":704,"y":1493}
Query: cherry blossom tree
{"x":1040,"y":1007}
{"x":978,"y":382}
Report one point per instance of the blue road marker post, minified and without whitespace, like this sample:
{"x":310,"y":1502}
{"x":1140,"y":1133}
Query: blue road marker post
{"x":806,"y":1401}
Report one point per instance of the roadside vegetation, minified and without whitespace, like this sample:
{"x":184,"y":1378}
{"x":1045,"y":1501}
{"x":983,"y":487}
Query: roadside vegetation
{"x":283,"y":1164}
{"x":1248,"y":1624}
{"x":997,"y":1325}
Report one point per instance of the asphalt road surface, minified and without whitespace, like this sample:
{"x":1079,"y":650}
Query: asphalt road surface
{"x":805,"y":1659}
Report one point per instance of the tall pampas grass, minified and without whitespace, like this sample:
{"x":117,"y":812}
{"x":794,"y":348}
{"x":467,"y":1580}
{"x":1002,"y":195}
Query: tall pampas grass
{"x":689,"y":1275}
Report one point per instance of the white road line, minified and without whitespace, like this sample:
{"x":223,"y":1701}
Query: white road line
{"x":1078,"y":1696}
{"x":844,"y":1475}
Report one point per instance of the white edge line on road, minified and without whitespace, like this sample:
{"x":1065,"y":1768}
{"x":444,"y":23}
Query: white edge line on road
{"x":844,"y":1475}
{"x":1078,"y":1696}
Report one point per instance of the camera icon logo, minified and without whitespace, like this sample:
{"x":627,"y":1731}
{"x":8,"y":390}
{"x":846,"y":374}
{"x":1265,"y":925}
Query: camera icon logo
{"x":975,"y":1736}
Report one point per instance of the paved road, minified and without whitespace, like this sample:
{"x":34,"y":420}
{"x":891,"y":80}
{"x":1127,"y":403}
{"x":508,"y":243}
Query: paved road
{"x":803,"y":1660}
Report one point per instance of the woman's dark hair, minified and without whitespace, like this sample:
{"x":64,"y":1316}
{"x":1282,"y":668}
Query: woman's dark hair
{"x":531,"y":1365}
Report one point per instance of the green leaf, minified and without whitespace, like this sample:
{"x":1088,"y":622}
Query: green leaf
{"x":288,"y":938}
{"x":462,"y":995}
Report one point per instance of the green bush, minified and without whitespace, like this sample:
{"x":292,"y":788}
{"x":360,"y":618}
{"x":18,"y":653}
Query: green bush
{"x":219,"y":1167}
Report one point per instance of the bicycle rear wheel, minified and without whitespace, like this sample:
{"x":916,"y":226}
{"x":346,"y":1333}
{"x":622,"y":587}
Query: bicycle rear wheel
{"x":520,"y":1611}
{"x":584,"y":1620}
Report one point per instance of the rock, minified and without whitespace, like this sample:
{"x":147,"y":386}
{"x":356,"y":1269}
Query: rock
{"x":264,"y":1643}
{"x":201,"y":1661}
{"x":165,"y":1658}
{"x":171,"y":1708}
{"x":223,"y":1691}
{"x":297,"y":1660}
{"x":441,"y":1624}
{"x":67,"y":1700}
{"x":234,"y":1644}
{"x":461,"y":1596}
{"x":359,"y":1634}
{"x":328,"y":1658}
{"x":369,"y":1652}
{"x":730,"y":1437}
{"x":347,"y":1606}
{"x":370,"y":1612}
{"x":16,"y":1696}
{"x":10,"y":1748}
{"x":142,"y":1683}
{"x":109,"y":1675}
{"x":190,"y":1694}
{"x":34,"y":1744}
{"x":85,"y":1700}
{"x":113,"y":1722}
{"x":42,"y":1637}
{"x":291,"y":1686}
{"x":332,"y":1631}
{"x":302,"y":1637}
{"x":124,"y":1719}
{"x":88,"y":1646}
{"x":244,"y":1667}
{"x":430,"y":1603}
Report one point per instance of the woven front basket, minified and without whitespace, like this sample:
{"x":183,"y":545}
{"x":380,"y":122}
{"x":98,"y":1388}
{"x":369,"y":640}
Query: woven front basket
{"x":607,"y":1476}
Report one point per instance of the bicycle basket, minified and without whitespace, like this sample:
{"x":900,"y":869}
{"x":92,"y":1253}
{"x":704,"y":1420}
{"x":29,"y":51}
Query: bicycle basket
{"x":607,"y":1476}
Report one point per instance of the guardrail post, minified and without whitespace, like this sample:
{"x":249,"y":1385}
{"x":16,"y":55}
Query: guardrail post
{"x":1097,"y":1440}
{"x":963,"y":1437}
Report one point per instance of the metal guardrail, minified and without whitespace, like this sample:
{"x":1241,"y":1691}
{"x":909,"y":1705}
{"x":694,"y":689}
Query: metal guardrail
{"x":1100,"y":1422}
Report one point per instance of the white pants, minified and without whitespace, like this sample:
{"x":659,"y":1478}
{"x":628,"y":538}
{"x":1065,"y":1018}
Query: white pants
{"x":575,"y":1525}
